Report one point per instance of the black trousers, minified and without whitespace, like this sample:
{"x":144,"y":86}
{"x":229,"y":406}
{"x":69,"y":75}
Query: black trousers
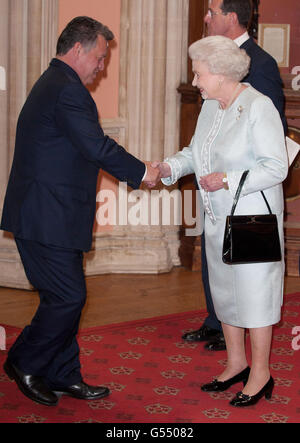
{"x":211,"y":320}
{"x":48,"y":347}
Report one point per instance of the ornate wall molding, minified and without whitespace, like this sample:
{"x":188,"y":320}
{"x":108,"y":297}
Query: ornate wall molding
{"x":49,"y":31}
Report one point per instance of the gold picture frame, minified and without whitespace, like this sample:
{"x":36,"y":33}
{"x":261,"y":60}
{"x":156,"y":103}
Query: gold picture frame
{"x":275,"y":39}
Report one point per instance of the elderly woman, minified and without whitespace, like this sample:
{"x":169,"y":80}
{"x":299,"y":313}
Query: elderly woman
{"x":238,"y":129}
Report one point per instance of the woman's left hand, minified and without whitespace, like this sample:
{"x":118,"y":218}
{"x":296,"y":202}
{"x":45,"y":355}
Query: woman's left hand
{"x":212,"y":182}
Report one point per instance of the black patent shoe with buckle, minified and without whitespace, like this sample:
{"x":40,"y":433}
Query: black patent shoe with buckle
{"x":216,"y":344}
{"x":242,"y":400}
{"x":205,"y":333}
{"x":220,"y":386}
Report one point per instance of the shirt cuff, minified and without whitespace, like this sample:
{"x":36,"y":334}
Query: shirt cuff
{"x":175,"y":169}
{"x":145,"y":175}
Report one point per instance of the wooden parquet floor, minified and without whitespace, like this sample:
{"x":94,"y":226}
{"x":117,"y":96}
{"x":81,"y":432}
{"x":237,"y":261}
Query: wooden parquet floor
{"x":117,"y":298}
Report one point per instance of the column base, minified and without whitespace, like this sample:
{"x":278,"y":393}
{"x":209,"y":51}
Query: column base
{"x":135,"y":251}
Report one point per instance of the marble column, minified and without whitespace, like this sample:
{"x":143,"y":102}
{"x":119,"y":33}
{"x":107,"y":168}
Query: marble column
{"x":26,"y":40}
{"x":4,"y":6}
{"x":153,"y":60}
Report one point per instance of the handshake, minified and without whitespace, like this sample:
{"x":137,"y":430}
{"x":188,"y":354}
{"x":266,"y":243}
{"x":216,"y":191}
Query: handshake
{"x":155,"y":172}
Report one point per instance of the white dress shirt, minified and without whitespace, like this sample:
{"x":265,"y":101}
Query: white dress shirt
{"x":242,"y":39}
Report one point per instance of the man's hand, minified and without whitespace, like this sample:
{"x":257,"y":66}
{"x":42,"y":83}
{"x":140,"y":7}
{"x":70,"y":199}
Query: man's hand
{"x":155,"y":172}
{"x":153,"y":175}
{"x":164,"y":169}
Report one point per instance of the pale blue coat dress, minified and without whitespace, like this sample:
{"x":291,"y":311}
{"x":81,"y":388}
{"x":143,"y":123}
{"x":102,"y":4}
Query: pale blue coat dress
{"x":246,"y":136}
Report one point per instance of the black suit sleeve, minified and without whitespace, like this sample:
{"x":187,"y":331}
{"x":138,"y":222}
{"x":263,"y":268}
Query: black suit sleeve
{"x":77,"y":117}
{"x":265,"y":77}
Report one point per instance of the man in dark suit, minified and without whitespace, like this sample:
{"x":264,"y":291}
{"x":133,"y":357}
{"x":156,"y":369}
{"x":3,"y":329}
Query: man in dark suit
{"x":231,"y":18}
{"x":50,"y":208}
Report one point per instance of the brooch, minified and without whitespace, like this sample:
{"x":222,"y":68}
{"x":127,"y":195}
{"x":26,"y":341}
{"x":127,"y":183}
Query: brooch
{"x":240,"y":110}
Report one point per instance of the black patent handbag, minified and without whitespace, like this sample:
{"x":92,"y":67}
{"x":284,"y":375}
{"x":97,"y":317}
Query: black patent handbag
{"x":250,"y":238}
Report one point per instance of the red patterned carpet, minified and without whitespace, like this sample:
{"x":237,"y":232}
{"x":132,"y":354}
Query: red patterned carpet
{"x":154,"y":377}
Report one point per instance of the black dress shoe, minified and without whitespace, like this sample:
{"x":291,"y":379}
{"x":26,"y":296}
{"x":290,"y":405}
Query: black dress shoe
{"x":217,"y":343}
{"x":32,"y":387}
{"x":241,"y":400}
{"x":84,"y":391}
{"x":220,"y":386}
{"x":203,"y":334}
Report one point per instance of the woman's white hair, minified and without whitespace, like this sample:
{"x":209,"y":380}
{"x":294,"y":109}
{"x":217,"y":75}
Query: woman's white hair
{"x":222,"y":56}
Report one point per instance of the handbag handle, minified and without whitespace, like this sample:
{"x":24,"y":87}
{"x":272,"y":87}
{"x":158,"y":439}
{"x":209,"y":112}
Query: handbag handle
{"x":239,"y":190}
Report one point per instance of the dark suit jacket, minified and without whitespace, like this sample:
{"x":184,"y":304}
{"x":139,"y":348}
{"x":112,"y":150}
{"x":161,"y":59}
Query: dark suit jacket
{"x":264,"y":76}
{"x":60,"y":147}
